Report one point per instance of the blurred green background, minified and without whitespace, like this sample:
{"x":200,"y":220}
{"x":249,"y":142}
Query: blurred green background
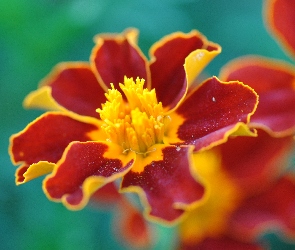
{"x":37,"y":34}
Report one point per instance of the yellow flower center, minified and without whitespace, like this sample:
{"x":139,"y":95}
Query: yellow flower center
{"x":137,"y":124}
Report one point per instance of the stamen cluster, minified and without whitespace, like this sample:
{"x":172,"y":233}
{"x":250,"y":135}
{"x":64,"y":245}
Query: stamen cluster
{"x":137,"y":123}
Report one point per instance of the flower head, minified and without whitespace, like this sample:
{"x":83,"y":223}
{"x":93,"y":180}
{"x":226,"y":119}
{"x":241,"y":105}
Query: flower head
{"x":121,"y":118}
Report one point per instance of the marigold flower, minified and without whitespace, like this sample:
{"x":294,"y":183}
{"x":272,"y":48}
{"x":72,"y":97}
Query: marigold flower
{"x":121,"y":116}
{"x":248,"y":195}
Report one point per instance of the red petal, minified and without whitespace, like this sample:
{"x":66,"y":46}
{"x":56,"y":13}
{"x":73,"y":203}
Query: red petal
{"x":273,"y":209}
{"x":274,"y":83}
{"x":280,"y":18}
{"x":131,"y":226}
{"x":75,"y":87}
{"x":114,"y":57}
{"x":168,"y":57}
{"x":20,"y":173}
{"x":46,"y":138}
{"x":221,"y":243}
{"x":107,"y":194}
{"x":167,"y":184}
{"x":85,"y":167}
{"x":213,"y":110}
{"x":253,"y":162}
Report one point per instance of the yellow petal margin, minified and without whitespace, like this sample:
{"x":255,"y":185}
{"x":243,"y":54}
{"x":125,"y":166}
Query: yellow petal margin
{"x":239,"y":129}
{"x":42,"y":99}
{"x":197,"y":60}
{"x":36,"y":170}
{"x":131,"y":34}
